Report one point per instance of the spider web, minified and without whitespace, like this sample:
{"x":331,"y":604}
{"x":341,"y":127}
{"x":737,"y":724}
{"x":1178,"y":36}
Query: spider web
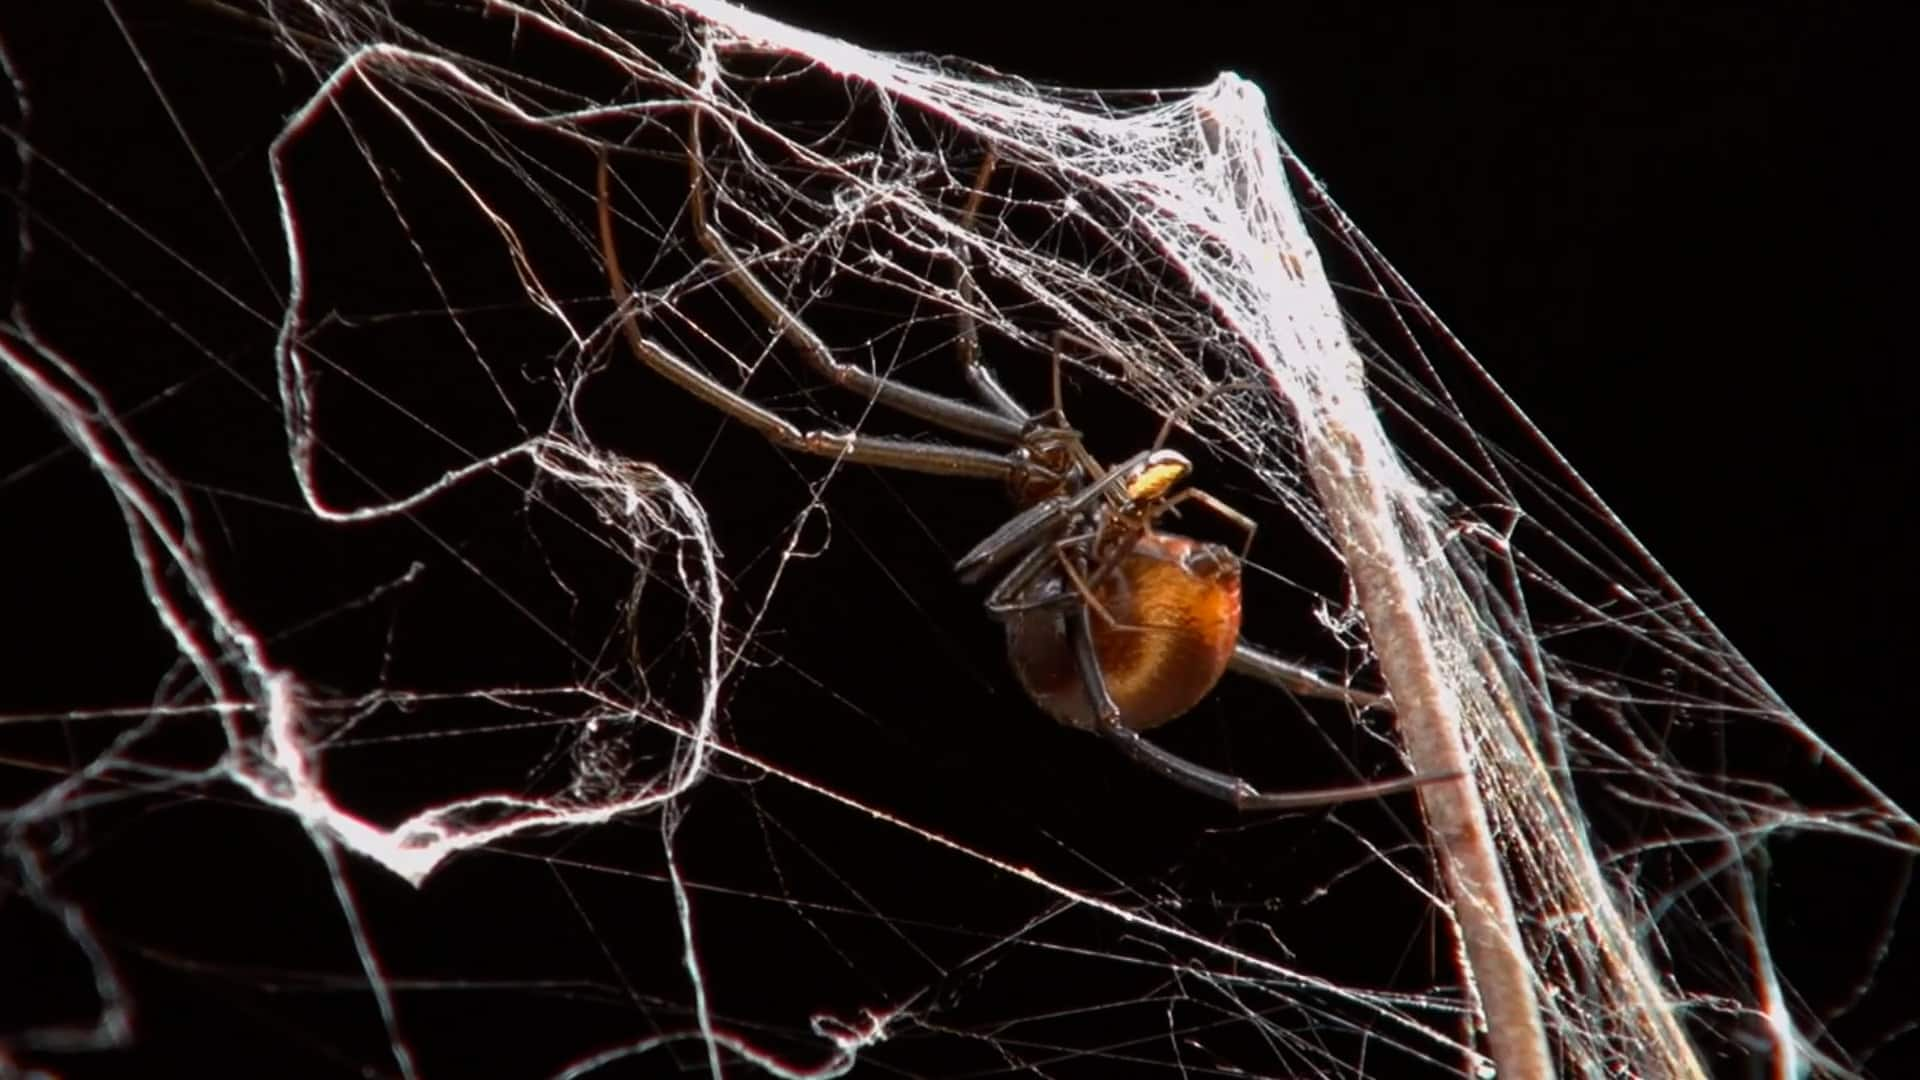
{"x":547,"y":710}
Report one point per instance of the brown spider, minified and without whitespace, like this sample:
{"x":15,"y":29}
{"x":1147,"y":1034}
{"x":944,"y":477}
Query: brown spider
{"x":1112,"y":625}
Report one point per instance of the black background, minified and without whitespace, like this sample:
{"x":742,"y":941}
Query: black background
{"x":1678,"y":240}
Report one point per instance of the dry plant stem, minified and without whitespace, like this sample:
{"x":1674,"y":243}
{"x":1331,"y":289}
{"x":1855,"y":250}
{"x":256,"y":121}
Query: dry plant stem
{"x":1389,"y":592}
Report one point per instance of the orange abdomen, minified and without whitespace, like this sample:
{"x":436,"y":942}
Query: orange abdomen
{"x":1175,"y":604}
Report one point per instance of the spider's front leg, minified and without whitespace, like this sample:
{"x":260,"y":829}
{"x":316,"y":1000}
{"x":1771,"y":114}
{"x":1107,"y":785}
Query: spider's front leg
{"x":938,"y":459}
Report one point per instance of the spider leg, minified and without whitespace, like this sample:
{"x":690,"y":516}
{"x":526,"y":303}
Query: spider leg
{"x":1024,"y":532}
{"x":1083,"y":590}
{"x":1247,"y":526}
{"x":1199,"y":778}
{"x":1050,"y":440}
{"x":943,"y":460}
{"x":1016,"y":595}
{"x":1012,"y":594}
{"x":985,"y":385}
{"x":1298,"y":678}
{"x":956,"y":416}
{"x":1042,"y":522}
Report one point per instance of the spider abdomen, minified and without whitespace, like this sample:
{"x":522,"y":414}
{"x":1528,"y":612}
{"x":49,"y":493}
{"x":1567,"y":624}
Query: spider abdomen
{"x":1174,"y":605}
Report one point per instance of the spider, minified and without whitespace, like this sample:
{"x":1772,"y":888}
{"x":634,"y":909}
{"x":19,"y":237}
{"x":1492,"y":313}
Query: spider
{"x":1113,"y":626}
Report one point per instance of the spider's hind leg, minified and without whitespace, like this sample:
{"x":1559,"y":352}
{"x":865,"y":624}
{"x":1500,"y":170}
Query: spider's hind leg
{"x":1195,"y":777}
